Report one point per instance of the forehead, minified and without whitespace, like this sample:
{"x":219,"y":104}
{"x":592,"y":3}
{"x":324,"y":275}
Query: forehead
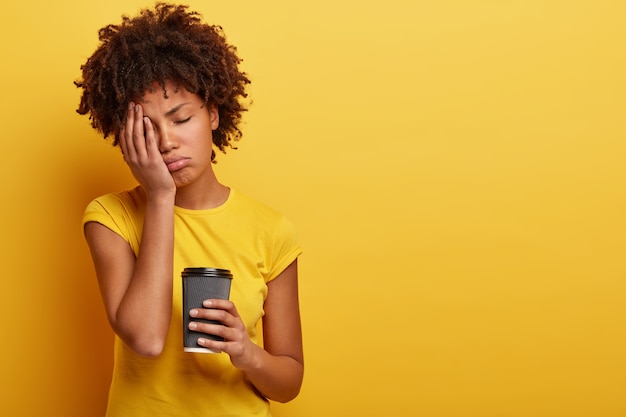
{"x":167,"y":94}
{"x":165,"y":90}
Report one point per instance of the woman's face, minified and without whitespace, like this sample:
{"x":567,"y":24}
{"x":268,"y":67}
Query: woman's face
{"x":183,"y":127}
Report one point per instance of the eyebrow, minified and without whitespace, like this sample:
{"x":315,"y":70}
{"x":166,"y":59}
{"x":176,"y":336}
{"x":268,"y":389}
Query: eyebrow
{"x":173,"y":110}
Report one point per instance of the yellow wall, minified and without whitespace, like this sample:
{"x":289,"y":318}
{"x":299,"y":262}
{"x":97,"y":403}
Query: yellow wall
{"x":455,"y":168}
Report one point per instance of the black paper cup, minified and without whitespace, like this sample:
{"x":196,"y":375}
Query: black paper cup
{"x":200,"y":284}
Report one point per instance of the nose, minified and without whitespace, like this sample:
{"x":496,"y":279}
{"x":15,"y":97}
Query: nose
{"x":166,"y":140}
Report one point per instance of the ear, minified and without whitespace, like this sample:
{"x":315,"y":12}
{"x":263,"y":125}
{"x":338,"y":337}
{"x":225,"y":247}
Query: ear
{"x":214,"y":116}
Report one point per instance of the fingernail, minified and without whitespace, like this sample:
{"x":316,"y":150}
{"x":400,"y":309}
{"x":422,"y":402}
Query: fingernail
{"x":193,"y":326}
{"x":193,"y":313}
{"x":207,"y":303}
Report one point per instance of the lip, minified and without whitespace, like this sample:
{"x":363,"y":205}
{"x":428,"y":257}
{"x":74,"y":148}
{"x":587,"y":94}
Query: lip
{"x":176,"y":163}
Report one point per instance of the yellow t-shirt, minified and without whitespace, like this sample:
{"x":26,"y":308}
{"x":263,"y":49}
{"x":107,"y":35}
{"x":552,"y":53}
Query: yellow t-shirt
{"x":250,"y":239}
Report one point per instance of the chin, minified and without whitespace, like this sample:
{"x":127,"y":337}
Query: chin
{"x":182,"y":180}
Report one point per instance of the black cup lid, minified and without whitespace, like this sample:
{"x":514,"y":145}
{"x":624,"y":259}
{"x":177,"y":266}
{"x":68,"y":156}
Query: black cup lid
{"x":207,"y":272}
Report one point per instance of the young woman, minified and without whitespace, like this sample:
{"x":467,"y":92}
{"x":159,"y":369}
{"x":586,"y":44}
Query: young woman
{"x":168,"y":88}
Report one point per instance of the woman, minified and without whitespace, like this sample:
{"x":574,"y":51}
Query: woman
{"x":168,"y":88}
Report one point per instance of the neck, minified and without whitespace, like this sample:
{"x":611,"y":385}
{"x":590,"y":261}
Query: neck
{"x":202,"y":195}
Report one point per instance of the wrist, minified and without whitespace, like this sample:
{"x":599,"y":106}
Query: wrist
{"x":254,"y":359}
{"x":165,"y":196}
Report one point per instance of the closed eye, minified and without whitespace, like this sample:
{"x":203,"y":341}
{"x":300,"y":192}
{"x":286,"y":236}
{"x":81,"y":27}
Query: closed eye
{"x":180,"y":122}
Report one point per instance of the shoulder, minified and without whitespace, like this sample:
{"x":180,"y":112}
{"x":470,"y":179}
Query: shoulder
{"x":129,"y":200}
{"x":119,"y":211}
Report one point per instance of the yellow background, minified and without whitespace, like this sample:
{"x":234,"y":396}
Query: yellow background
{"x":455,"y":169}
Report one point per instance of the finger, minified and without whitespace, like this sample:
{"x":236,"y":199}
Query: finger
{"x":138,"y":136}
{"x":215,"y":345}
{"x":126,"y":142}
{"x":151,"y":145}
{"x":122,"y":141}
{"x":213,"y":314}
{"x":214,"y":329}
{"x":222,"y":305}
{"x":221,"y":324}
{"x":234,"y":343}
{"x":225,"y":311}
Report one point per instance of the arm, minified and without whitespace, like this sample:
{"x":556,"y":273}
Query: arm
{"x":137,"y":292}
{"x":277,"y":369}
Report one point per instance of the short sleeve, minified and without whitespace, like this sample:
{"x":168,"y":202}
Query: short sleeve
{"x":285,"y":248}
{"x":120,"y":214}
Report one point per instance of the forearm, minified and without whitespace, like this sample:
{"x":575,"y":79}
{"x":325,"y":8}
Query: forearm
{"x":143,"y":316}
{"x":278,"y":369}
{"x":278,"y":378}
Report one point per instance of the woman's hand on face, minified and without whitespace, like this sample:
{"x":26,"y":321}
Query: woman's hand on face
{"x":141,"y":153}
{"x":237,"y":343}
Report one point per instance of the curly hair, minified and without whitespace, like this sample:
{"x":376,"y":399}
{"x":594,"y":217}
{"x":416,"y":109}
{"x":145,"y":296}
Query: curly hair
{"x":168,"y":43}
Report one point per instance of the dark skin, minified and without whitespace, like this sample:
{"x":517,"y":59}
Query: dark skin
{"x":138,"y":51}
{"x":171,"y":158}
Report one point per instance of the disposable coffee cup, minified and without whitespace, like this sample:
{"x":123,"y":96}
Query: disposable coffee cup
{"x":200,"y":284}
